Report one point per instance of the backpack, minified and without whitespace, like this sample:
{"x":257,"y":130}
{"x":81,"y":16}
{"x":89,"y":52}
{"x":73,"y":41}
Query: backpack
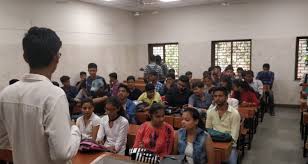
{"x":218,"y":136}
{"x":89,"y":146}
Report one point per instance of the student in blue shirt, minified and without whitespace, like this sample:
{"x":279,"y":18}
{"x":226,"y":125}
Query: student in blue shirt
{"x":128,"y":105}
{"x":200,"y":100}
{"x":267,"y":78}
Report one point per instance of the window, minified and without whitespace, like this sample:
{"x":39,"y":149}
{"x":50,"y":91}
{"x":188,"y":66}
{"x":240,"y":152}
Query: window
{"x":169,"y":53}
{"x":234,"y":52}
{"x":301,"y":57}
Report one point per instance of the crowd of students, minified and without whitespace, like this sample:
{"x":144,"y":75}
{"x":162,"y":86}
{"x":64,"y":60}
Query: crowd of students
{"x":108,"y":109}
{"x":213,"y":98}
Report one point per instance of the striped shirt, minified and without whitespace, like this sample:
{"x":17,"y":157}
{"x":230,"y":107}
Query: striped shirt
{"x":153,"y":67}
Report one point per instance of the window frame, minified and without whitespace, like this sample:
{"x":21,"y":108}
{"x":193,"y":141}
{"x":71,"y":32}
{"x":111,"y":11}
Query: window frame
{"x":150,"y":50}
{"x":234,"y":40}
{"x":296,"y":55}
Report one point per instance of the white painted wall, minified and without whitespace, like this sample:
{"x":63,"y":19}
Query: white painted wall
{"x":273,"y":29}
{"x":89,"y":34}
{"x":117,"y":41}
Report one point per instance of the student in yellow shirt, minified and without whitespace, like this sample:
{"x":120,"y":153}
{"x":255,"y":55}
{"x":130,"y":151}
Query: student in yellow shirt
{"x":150,"y":95}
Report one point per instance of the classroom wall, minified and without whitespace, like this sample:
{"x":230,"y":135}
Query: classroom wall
{"x":89,"y":34}
{"x":273,"y":28}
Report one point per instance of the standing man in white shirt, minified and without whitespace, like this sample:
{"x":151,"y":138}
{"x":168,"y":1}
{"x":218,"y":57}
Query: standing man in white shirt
{"x":33,"y":112}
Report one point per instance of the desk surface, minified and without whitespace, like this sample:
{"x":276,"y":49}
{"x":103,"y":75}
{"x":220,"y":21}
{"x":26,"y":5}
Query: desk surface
{"x":6,"y":155}
{"x":222,"y":145}
{"x":305,"y":117}
{"x":82,"y":158}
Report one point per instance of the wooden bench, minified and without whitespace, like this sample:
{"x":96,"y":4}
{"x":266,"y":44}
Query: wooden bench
{"x":82,"y":158}
{"x":305,"y":122}
{"x":248,"y":113}
{"x":6,"y":155}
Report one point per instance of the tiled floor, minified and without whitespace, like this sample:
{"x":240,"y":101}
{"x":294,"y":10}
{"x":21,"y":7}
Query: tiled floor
{"x":277,"y":140}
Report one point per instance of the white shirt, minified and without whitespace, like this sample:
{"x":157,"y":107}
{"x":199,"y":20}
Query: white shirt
{"x":257,"y":85}
{"x":228,"y":123}
{"x":86,"y":131}
{"x":35,"y":115}
{"x":115,"y":136}
{"x":189,"y":151}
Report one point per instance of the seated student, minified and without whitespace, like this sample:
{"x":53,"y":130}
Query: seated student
{"x":254,"y":83}
{"x":153,"y":78}
{"x":229,"y":72}
{"x":216,"y":75}
{"x":170,"y":82}
{"x":224,"y":118}
{"x":88,"y":124}
{"x":134,"y":92}
{"x":150,"y":96}
{"x":244,"y":94}
{"x":70,"y":91}
{"x":208,"y":83}
{"x":267,"y":78}
{"x":82,"y":94}
{"x":95,"y":82}
{"x":189,"y":75}
{"x":114,"y":83}
{"x":156,"y":135}
{"x":83,"y":77}
{"x":171,"y":71}
{"x":13,"y":81}
{"x":200,"y":99}
{"x":97,"y":88}
{"x":239,"y":74}
{"x":179,"y":94}
{"x":113,"y":127}
{"x":192,"y":140}
{"x":128,"y":105}
{"x":226,"y":82}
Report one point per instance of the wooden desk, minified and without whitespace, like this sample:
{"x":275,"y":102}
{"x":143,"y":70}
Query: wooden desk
{"x":177,"y":122}
{"x":111,"y":155}
{"x":140,"y":86}
{"x":305,"y":130}
{"x":247,"y":112}
{"x":6,"y":155}
{"x":222,"y":151}
{"x":82,"y":158}
{"x":131,"y":135}
{"x":142,"y":117}
{"x":169,"y":120}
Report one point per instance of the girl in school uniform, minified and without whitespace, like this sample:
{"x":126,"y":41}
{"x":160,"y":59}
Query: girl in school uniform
{"x":114,"y":127}
{"x":89,"y":122}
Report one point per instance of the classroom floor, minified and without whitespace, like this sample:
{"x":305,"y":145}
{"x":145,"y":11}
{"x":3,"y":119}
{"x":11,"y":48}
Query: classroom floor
{"x":277,"y":140}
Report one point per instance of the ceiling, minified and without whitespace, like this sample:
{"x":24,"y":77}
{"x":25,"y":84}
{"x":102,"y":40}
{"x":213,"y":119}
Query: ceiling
{"x":152,"y":5}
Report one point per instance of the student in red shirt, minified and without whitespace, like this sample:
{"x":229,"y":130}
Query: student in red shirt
{"x":156,"y":135}
{"x":244,"y":93}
